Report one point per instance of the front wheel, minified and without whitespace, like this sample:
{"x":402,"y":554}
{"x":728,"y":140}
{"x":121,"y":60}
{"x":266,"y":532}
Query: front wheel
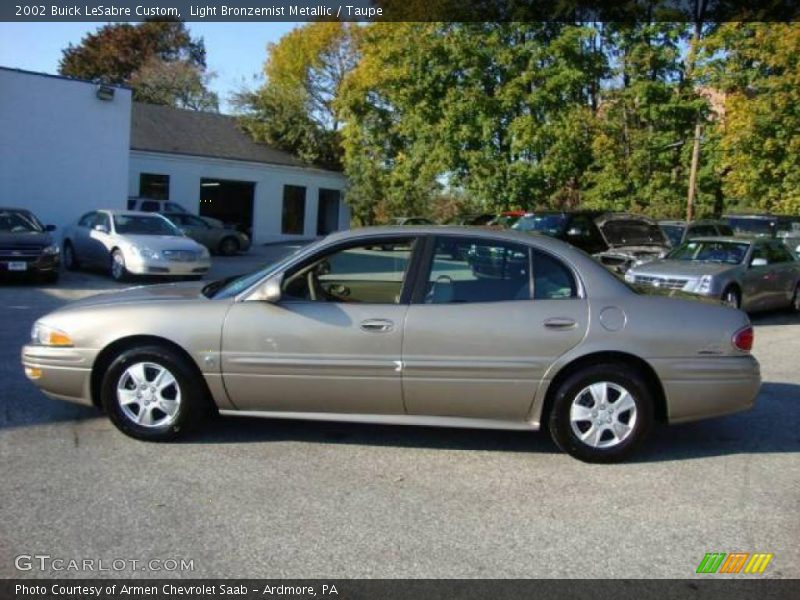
{"x":118,"y":270}
{"x":229,"y":246}
{"x":152,"y":393}
{"x":602,"y":413}
{"x":70,"y":260}
{"x":732,"y":297}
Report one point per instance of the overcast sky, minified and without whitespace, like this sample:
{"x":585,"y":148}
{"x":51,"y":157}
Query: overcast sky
{"x":234,"y":51}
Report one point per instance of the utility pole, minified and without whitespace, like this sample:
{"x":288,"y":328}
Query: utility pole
{"x":698,"y":130}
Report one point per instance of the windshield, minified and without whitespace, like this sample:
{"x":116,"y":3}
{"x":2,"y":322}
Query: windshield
{"x":547,"y":224}
{"x":752,"y":226}
{"x":732,"y":253}
{"x":632,"y":232}
{"x":12,"y":221}
{"x":674,"y":233}
{"x":231,"y":286}
{"x":144,"y":225}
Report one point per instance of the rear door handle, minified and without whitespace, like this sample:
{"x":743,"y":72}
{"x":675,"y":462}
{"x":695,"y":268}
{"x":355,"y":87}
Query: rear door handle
{"x":377,"y":325}
{"x":559,"y":323}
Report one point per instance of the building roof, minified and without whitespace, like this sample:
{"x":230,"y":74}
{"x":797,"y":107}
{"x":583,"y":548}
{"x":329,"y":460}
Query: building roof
{"x":197,"y":133}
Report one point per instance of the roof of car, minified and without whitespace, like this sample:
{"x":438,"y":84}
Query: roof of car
{"x":127,"y":213}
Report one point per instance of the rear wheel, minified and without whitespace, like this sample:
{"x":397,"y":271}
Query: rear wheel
{"x":70,"y":260}
{"x":229,"y":246}
{"x":152,"y":393}
{"x":602,"y":413}
{"x":732,"y":297}
{"x":118,"y":270}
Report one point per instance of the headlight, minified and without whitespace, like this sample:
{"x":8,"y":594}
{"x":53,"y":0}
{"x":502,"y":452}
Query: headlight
{"x":204,"y":253}
{"x":145,"y":252}
{"x":630,"y":277}
{"x":703,"y":284}
{"x":44,"y":335}
{"x":51,"y":250}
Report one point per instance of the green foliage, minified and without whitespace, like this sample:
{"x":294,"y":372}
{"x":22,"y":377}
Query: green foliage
{"x":158,"y":59}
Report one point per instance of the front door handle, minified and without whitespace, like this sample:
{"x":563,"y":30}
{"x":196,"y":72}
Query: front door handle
{"x":559,"y":323}
{"x":377,"y":325}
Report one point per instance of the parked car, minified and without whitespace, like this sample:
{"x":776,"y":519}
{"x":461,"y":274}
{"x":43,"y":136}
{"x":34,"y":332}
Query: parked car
{"x":406,"y":221}
{"x":345,"y":330}
{"x":472,"y":220}
{"x":133,"y":243}
{"x":680,"y":231}
{"x":166,"y":206}
{"x":578,"y":228}
{"x":506,"y":219}
{"x":755,"y":274}
{"x":631,"y":239}
{"x":753,"y":225}
{"x":221,"y":240}
{"x":26,"y":245}
{"x":788,"y":231}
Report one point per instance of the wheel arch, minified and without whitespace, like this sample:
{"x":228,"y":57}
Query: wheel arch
{"x":112,"y":350}
{"x":595,"y":358}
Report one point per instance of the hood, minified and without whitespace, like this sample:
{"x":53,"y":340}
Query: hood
{"x":162,"y":242}
{"x":681,"y":268}
{"x":25,"y":239}
{"x":168,"y":292}
{"x":634,"y":251}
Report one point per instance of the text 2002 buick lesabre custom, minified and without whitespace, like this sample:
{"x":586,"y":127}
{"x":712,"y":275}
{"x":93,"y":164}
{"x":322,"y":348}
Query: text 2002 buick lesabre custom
{"x":390,"y":325}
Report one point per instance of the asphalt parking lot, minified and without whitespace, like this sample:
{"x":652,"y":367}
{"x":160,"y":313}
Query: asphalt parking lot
{"x":260,"y":498}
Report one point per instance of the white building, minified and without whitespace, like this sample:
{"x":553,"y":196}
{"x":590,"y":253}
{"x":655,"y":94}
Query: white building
{"x":64,"y":145}
{"x":70,"y":146}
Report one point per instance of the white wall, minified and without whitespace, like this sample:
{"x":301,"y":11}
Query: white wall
{"x":62,"y":150}
{"x":185,"y":173}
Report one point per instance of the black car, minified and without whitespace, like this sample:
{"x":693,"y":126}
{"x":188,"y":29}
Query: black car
{"x":577,"y":228}
{"x":26,"y":246}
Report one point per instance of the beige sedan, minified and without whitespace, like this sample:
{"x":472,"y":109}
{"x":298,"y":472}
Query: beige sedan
{"x":390,"y":325}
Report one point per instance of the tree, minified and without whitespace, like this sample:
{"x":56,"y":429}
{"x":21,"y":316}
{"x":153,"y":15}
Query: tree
{"x":159,"y":59}
{"x":295,"y":109}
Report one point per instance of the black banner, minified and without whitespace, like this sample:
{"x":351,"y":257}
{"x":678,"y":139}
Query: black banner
{"x":400,"y":589}
{"x":402,"y":10}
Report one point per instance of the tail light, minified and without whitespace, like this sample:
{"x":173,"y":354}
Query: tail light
{"x":743,"y":339}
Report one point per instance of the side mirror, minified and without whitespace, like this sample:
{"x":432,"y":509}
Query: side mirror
{"x":101,"y":228}
{"x":574,"y":232}
{"x":49,"y":227}
{"x":270,"y":290}
{"x":759,"y":262}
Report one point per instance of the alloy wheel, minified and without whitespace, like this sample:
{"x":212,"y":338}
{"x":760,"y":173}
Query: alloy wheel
{"x":603,"y":414}
{"x":731,"y":298}
{"x":117,"y":266}
{"x":149,"y":395}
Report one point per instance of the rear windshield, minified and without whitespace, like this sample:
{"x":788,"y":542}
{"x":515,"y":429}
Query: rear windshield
{"x":631,"y":232}
{"x":752,"y":226}
{"x":711,"y":251}
{"x":546,"y":224}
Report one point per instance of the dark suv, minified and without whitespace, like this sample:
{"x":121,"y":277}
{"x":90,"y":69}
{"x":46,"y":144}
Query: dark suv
{"x":26,"y":246}
{"x":577,"y":228}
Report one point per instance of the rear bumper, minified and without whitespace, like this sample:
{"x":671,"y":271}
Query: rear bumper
{"x":705,"y":387}
{"x":62,"y":373}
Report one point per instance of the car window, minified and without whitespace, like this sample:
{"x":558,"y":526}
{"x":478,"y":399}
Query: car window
{"x":144,"y":225}
{"x":131,"y":204}
{"x":88,"y":220}
{"x":552,"y":280}
{"x":150,"y":206}
{"x":702,"y":231}
{"x":478,"y":270}
{"x":103,"y":219}
{"x":674,"y":233}
{"x":760,"y":251}
{"x":174,"y":207}
{"x":725,"y":230}
{"x":14,"y":221}
{"x":367,"y":273}
{"x":711,"y":251}
{"x":778,"y":253}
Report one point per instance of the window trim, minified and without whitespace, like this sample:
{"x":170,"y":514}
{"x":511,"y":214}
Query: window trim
{"x":408,"y":278}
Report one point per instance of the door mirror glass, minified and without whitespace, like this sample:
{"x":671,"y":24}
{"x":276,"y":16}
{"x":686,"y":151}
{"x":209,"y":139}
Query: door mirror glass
{"x":759,"y":262}
{"x":101,"y":228}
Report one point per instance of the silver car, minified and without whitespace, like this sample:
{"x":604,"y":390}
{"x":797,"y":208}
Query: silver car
{"x":133,"y":243}
{"x":386,"y":325}
{"x":220,"y":239}
{"x":752,"y":274}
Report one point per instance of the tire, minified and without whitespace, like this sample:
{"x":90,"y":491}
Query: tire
{"x":70,"y":260}
{"x":590,"y":424}
{"x":117,"y":266}
{"x":228,"y":246}
{"x":180,"y":403}
{"x":731,"y":297}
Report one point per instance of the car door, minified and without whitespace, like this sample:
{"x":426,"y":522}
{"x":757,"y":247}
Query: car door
{"x":99,"y":241}
{"x":785,"y":268}
{"x":194,"y":227}
{"x":483,"y":328}
{"x":80,"y":238}
{"x":333,"y":342}
{"x":758,"y":279}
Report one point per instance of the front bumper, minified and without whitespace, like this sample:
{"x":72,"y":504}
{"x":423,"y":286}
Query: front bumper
{"x":704,"y":387}
{"x":168,"y":267}
{"x":62,"y":373}
{"x":46,"y":263}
